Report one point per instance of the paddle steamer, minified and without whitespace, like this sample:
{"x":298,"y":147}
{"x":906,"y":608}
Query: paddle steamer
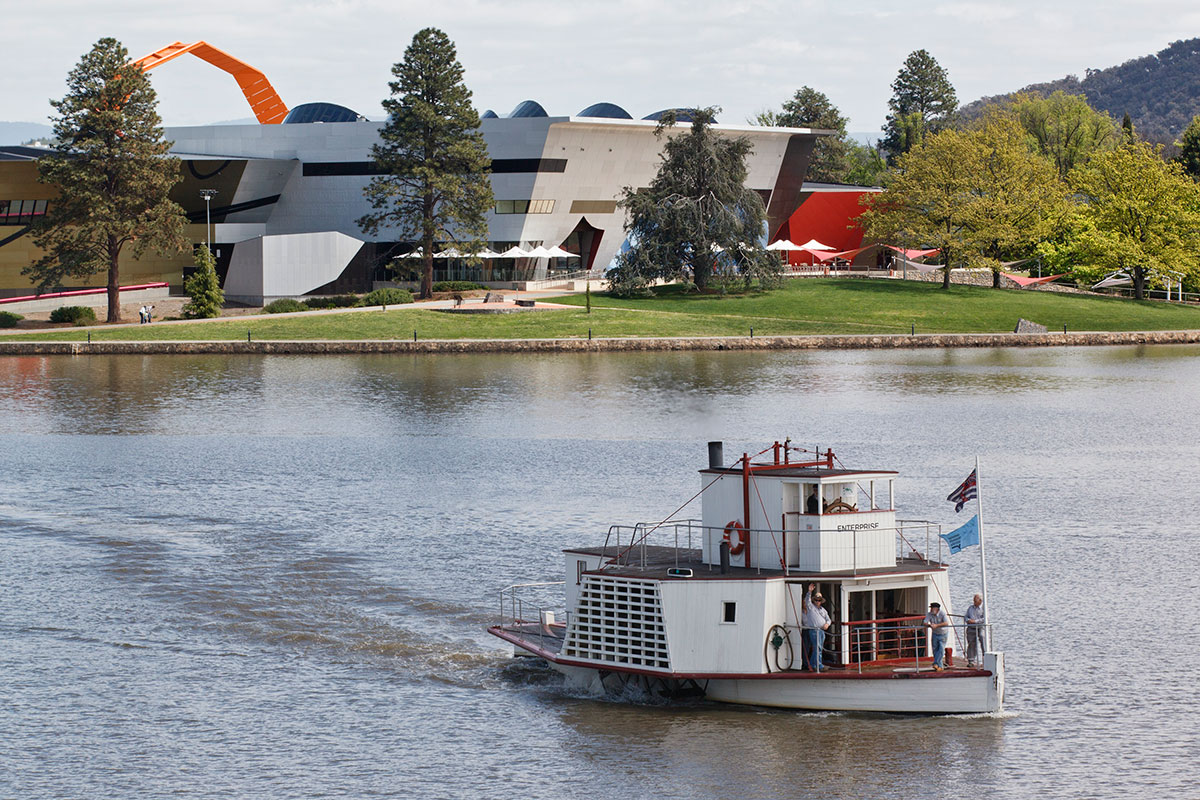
{"x":715,"y":606}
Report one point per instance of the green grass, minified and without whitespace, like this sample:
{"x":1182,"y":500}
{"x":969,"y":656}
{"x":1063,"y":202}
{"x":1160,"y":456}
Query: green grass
{"x":820,"y":306}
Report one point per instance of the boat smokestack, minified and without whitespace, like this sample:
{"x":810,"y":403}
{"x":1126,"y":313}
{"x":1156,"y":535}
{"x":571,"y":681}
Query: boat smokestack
{"x":724,"y":556}
{"x":716,"y":455}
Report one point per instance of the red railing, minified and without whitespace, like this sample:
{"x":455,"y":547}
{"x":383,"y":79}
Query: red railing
{"x":80,"y":292}
{"x":892,"y":639}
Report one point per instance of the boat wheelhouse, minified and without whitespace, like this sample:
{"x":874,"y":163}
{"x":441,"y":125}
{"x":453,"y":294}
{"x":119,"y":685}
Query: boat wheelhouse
{"x":715,"y":605}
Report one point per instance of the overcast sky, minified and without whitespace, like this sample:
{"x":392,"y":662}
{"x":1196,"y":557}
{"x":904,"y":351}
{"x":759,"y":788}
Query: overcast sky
{"x":644,"y":55}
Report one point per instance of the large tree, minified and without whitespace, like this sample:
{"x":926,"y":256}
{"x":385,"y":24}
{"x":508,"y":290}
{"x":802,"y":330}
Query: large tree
{"x":930,"y":200}
{"x":923,"y":102}
{"x":113,"y":175}
{"x":810,"y":108}
{"x":697,"y":220}
{"x":436,"y":188}
{"x":1018,"y":198}
{"x":1138,"y":214}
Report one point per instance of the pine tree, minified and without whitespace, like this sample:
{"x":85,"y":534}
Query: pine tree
{"x":923,"y":102}
{"x":1189,"y":149}
{"x":697,"y":220}
{"x":113,"y":175}
{"x":203,"y":288}
{"x":436,"y":189}
{"x":809,"y":108}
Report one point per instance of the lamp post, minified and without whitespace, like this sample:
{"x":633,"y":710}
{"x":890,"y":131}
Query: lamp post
{"x":208,"y":195}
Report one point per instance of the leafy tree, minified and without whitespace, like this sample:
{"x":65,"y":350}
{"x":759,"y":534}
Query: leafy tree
{"x":436,"y":188}
{"x":1127,"y":134}
{"x":113,"y":175}
{"x":1065,"y":127}
{"x":809,"y":108}
{"x":923,"y":102}
{"x":1138,"y":214}
{"x":203,"y":288}
{"x":1018,"y":197}
{"x":1189,"y":149}
{"x":866,"y":166}
{"x":697,"y":219}
{"x":929,"y":202}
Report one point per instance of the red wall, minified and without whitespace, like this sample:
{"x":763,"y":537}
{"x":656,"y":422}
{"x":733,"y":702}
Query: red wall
{"x":828,"y":217}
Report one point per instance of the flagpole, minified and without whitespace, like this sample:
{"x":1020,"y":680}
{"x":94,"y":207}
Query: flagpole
{"x":987,"y":620}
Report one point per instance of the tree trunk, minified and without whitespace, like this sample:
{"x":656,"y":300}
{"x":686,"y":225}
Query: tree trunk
{"x":427,"y":248}
{"x":114,"y":282}
{"x":1139,"y":283}
{"x":946,"y":271}
{"x":995,"y":279}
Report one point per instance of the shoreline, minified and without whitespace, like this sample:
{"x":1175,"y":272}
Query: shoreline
{"x":625,"y":345}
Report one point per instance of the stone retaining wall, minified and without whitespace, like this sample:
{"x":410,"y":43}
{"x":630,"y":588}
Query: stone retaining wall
{"x":889,"y":342}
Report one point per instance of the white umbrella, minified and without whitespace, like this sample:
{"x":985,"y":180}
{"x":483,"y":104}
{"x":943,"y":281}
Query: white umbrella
{"x":514,"y":252}
{"x":540,"y":252}
{"x":813,"y":244}
{"x":486,"y":253}
{"x":414,"y":254}
{"x":783,"y":244}
{"x":558,"y":252}
{"x":449,"y":252}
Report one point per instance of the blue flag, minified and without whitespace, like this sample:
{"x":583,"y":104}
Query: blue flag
{"x":966,"y":536}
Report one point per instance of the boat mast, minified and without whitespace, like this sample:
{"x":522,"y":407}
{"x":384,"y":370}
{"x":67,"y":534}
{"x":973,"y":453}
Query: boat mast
{"x":987,"y":620}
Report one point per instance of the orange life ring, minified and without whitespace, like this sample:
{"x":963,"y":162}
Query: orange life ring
{"x":735,"y":549}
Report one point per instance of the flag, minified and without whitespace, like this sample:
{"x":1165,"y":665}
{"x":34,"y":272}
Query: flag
{"x":968,"y":491}
{"x":966,"y":536}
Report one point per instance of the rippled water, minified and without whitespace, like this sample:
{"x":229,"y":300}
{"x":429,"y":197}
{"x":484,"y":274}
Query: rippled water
{"x":269,"y":576}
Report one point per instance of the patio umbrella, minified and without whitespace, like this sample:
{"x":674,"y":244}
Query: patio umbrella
{"x":449,"y":252}
{"x":514,"y":252}
{"x":783,"y":244}
{"x":558,"y":252}
{"x":813,"y":244}
{"x":414,"y":254}
{"x":540,"y":252}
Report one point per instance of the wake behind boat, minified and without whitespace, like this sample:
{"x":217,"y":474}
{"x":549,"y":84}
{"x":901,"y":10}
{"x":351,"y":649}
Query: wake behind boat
{"x":728,"y":606}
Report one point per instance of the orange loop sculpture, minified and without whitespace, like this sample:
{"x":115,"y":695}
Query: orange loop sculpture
{"x":263,"y":99}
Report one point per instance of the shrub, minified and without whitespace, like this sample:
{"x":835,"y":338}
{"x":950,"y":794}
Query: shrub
{"x":78,"y":315}
{"x":457,"y":286}
{"x":284,"y":305}
{"x":334,"y":301}
{"x":9,"y":320}
{"x":203,"y":288}
{"x":388,"y":297}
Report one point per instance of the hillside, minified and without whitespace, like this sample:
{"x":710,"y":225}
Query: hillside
{"x":1161,"y":92}
{"x":21,"y":132}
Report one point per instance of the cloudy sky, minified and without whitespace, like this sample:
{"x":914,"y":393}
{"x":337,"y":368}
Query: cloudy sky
{"x":645,"y":55}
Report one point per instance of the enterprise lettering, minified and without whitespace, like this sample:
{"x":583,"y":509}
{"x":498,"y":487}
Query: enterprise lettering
{"x":858,"y":526}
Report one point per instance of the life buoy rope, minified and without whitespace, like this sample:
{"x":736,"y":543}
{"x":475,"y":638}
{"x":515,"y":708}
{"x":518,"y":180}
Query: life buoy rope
{"x":730,"y":527}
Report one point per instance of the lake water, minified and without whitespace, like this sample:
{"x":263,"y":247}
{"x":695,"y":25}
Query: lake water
{"x":270,"y":576}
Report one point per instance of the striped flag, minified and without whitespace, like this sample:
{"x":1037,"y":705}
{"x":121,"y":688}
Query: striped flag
{"x":967,"y":491}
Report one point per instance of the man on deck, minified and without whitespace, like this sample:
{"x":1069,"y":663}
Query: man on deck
{"x":816,"y":622}
{"x":938,"y":626}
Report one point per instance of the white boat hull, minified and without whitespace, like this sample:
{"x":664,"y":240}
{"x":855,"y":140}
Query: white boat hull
{"x":906,"y":693}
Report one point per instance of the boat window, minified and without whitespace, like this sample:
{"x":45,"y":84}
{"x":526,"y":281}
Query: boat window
{"x":730,"y":612}
{"x":580,"y":568}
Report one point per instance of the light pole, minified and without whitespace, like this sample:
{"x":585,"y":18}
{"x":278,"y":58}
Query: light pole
{"x":208,"y":195}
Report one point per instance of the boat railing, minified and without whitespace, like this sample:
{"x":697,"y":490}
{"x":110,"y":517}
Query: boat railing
{"x":626,"y":545}
{"x":899,"y":639}
{"x":526,"y":603}
{"x":919,"y":540}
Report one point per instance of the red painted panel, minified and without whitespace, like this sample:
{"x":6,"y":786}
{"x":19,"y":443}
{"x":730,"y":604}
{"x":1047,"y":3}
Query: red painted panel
{"x":828,"y":217}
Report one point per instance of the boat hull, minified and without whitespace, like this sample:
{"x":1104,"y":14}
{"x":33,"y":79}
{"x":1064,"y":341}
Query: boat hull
{"x":903,"y":692}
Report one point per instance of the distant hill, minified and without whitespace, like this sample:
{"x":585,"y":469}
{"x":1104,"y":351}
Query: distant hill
{"x":21,"y":132}
{"x":1161,"y":92}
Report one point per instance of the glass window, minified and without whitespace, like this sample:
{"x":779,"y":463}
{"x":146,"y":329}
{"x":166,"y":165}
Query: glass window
{"x":730,"y":612}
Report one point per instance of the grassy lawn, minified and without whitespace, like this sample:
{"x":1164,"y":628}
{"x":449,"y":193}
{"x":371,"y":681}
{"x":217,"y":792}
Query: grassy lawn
{"x":820,"y":306}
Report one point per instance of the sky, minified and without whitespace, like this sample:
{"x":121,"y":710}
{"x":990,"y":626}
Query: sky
{"x":744,"y":56}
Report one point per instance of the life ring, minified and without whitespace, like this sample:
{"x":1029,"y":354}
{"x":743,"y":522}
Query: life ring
{"x":735,"y":549}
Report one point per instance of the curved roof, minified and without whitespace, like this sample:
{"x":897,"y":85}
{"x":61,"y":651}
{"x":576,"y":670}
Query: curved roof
{"x":528,"y":108}
{"x":489,"y":114}
{"x":321,"y":112}
{"x":607,"y":110}
{"x":681,"y":115}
